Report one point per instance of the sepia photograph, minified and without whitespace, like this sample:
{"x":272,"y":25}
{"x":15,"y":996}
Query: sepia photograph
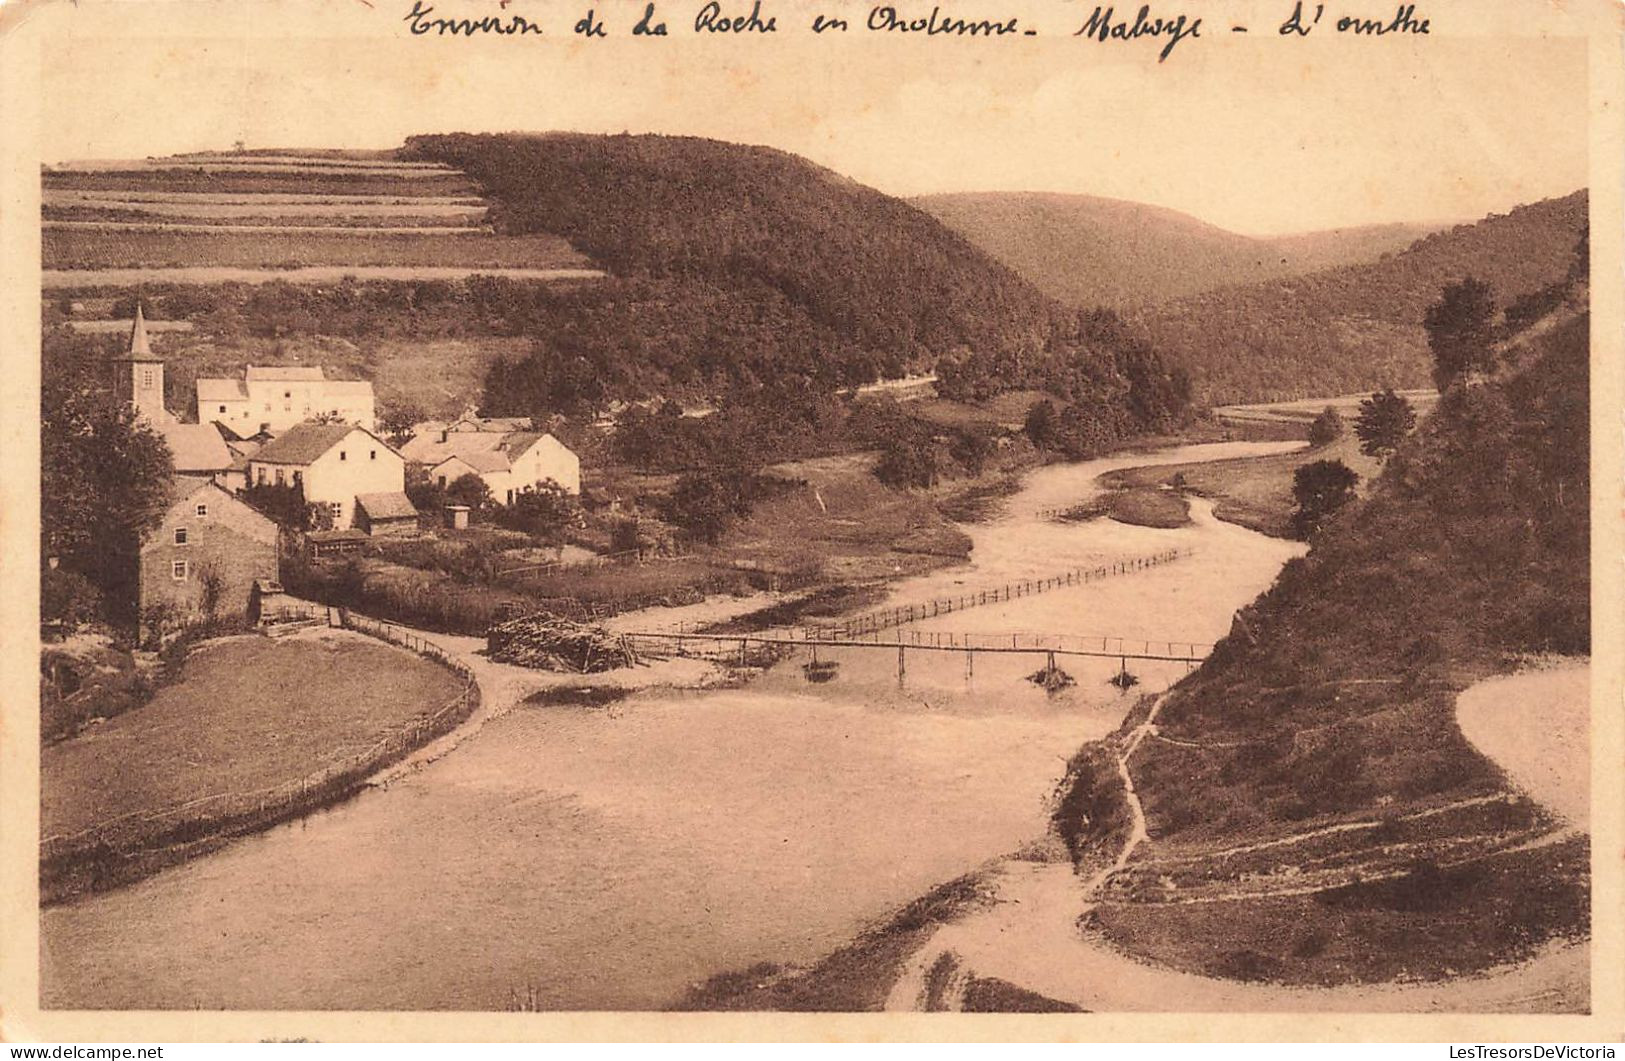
{"x":849,"y":511}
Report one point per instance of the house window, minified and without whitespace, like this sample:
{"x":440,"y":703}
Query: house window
{"x":178,"y":570}
{"x":202,"y":511}
{"x":287,"y":394}
{"x":146,"y":377}
{"x":180,"y":535}
{"x":261,"y":476}
{"x":298,"y":477}
{"x":222,"y":408}
{"x":372,"y":454}
{"x":279,"y":476}
{"x":343,"y":456}
{"x":442,"y":480}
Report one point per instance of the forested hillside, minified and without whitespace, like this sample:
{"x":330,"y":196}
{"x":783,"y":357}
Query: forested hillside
{"x":1089,"y":251}
{"x":1360,"y":326}
{"x":1333,"y":700}
{"x":736,"y":268}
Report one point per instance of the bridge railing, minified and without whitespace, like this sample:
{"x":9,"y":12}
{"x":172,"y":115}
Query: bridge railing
{"x":729,"y":646}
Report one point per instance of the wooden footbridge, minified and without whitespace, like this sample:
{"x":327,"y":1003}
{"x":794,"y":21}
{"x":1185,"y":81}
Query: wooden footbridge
{"x":884,"y":629}
{"x":1102,"y":647}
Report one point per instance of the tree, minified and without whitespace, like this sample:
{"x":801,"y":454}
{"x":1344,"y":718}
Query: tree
{"x":214,"y":588}
{"x":542,"y":513}
{"x":971,"y":448}
{"x":1040,"y":423}
{"x":1460,"y":331}
{"x":426,"y":494}
{"x":1321,"y":488}
{"x":104,"y":475}
{"x":906,"y":461}
{"x":704,"y":504}
{"x":1327,"y":428}
{"x":285,"y":505}
{"x":469,"y":489}
{"x":397,"y":419}
{"x":1385,"y":419}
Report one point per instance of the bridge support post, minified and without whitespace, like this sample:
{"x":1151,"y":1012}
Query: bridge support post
{"x":970,"y":665}
{"x":900,"y":667}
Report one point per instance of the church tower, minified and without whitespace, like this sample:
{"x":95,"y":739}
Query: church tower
{"x":140,"y":375}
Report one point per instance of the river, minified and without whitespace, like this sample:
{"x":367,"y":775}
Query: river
{"x":610,"y":857}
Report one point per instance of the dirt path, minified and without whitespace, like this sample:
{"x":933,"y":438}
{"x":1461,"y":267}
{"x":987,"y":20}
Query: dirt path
{"x":504,"y":686}
{"x":1029,"y":934}
{"x":1535,"y":725}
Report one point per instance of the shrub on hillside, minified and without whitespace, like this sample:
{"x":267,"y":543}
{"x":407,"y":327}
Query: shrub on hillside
{"x":1321,"y":489}
{"x":1326,"y":428}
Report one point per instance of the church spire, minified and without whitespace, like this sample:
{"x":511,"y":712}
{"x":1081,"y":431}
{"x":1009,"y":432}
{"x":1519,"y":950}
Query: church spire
{"x":139,"y":347}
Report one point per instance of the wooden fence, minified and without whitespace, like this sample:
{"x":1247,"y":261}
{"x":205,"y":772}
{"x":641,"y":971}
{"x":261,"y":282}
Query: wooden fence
{"x":864,"y":625}
{"x":241,"y":810}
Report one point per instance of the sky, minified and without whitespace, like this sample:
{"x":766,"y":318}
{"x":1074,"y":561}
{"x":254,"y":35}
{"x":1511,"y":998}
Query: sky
{"x":1254,"y":133}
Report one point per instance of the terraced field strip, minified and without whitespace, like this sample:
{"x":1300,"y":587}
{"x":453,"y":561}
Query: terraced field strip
{"x":90,"y":249}
{"x":286,"y":182}
{"x":318,"y":274}
{"x":398,"y":170}
{"x":80,"y":197}
{"x":299,"y":159}
{"x":334,"y":229}
{"x":1384,"y":868}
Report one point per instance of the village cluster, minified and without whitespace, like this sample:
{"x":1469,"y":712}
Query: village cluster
{"x":291,"y":426}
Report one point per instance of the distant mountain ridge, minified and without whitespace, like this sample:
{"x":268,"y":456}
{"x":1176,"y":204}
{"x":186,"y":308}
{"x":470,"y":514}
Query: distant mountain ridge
{"x":734,"y":268}
{"x":1092,"y":251}
{"x":1356,"y":327}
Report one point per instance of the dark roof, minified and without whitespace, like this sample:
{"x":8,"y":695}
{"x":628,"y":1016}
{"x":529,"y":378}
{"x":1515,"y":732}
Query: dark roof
{"x":304,"y":443}
{"x":390,"y":504}
{"x":184,"y":486}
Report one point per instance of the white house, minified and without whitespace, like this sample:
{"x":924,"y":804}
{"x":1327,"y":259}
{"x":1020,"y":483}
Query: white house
{"x":510,"y":462}
{"x":332,"y":463}
{"x":281,"y":396}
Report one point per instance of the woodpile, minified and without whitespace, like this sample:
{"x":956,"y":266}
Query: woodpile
{"x":546,"y":642}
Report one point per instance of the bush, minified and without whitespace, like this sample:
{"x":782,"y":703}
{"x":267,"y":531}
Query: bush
{"x":1327,"y":428}
{"x":908,"y":462}
{"x":1320,"y":488}
{"x":544,"y":513}
{"x":1386,"y":418}
{"x":68,"y":599}
{"x":705,"y":504}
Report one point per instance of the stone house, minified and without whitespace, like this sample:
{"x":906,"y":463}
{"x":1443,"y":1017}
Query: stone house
{"x":208,"y":551}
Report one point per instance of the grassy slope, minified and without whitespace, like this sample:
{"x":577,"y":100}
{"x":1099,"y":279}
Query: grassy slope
{"x":1359,"y":326}
{"x":1254,"y":492}
{"x":1089,"y":251}
{"x":1332,"y":701}
{"x":189,"y":740}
